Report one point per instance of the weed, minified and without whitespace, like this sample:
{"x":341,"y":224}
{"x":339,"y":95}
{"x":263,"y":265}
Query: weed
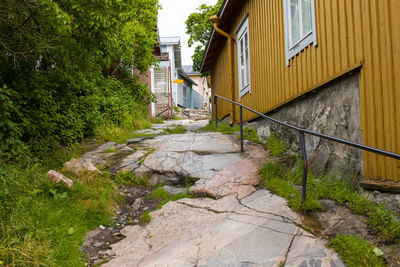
{"x":129,"y":179}
{"x":110,"y":150}
{"x":356,"y":251}
{"x":146,"y":217}
{"x":177,"y":130}
{"x":177,"y":118}
{"x":176,"y":109}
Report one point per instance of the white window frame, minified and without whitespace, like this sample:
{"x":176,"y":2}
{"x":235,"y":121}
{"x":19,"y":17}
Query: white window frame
{"x":242,"y":29}
{"x":306,"y":39}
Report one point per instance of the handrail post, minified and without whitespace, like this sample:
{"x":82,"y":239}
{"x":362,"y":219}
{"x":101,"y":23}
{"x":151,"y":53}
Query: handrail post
{"x":305,"y":167}
{"x":216,"y":111}
{"x":241,"y":130}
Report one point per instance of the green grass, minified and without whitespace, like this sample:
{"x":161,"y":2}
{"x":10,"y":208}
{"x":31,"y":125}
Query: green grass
{"x":156,"y":120}
{"x":110,"y":150}
{"x":177,"y":118}
{"x":129,"y":179}
{"x":122,"y":132}
{"x":177,"y":130}
{"x":284,"y":182}
{"x":276,"y":145}
{"x":158,"y":193}
{"x":356,"y":251}
{"x":44,"y":224}
{"x":224,"y":128}
{"x":176,"y":109}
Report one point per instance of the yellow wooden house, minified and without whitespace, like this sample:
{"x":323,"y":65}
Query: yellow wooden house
{"x":284,"y":50}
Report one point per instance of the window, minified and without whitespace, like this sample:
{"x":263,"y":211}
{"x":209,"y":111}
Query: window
{"x":184,"y":92}
{"x":299,"y":26}
{"x":243,"y":54}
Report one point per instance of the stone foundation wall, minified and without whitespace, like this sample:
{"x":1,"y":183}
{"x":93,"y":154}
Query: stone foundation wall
{"x":333,"y":109}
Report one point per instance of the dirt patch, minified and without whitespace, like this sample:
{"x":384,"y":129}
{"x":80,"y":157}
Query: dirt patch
{"x":133,"y":204}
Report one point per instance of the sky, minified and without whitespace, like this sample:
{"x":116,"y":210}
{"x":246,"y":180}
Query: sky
{"x":171,"y":22}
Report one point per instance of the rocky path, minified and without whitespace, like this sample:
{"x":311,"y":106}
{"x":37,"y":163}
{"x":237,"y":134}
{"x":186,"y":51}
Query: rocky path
{"x":230,"y":223}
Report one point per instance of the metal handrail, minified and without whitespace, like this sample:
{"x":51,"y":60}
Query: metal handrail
{"x":301,"y":132}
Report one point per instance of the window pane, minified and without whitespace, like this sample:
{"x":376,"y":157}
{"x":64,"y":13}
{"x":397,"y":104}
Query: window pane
{"x":247,"y":67}
{"x":294,"y":22}
{"x":307,"y":19}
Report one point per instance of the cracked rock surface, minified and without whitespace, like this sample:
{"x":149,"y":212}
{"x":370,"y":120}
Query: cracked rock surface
{"x":231,"y":223}
{"x":258,"y":230}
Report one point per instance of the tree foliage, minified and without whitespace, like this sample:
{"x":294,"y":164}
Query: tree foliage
{"x":54,"y":57}
{"x":199,"y":28}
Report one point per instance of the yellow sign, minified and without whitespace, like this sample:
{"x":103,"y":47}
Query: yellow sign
{"x":178,"y":81}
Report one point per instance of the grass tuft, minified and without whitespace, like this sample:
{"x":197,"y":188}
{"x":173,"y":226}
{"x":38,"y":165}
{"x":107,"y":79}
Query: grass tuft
{"x":146,"y":217}
{"x":177,"y":130}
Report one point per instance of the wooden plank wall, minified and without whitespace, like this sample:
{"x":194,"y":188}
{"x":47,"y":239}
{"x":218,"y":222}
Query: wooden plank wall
{"x":350,"y":33}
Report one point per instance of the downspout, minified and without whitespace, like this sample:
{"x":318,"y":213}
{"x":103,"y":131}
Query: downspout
{"x":215,"y":20}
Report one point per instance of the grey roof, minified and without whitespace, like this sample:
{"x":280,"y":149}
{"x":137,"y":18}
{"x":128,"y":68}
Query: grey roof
{"x":185,"y":77}
{"x":176,"y":40}
{"x":188,"y":69}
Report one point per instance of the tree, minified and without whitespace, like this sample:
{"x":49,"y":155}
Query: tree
{"x":53,"y":53}
{"x":199,"y":28}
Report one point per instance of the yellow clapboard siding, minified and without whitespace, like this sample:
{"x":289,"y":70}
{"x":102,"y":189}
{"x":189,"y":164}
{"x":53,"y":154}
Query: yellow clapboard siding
{"x":350,"y":33}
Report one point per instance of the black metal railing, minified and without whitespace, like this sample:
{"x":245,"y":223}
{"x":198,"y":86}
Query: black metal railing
{"x":302,"y":133}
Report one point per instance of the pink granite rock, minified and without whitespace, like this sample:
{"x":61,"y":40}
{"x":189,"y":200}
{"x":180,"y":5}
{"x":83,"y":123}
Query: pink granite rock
{"x":78,"y":166}
{"x":56,"y":177}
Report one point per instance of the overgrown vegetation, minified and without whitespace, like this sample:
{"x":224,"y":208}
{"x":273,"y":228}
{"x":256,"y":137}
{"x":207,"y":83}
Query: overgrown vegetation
{"x":356,"y":251}
{"x":61,"y":77}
